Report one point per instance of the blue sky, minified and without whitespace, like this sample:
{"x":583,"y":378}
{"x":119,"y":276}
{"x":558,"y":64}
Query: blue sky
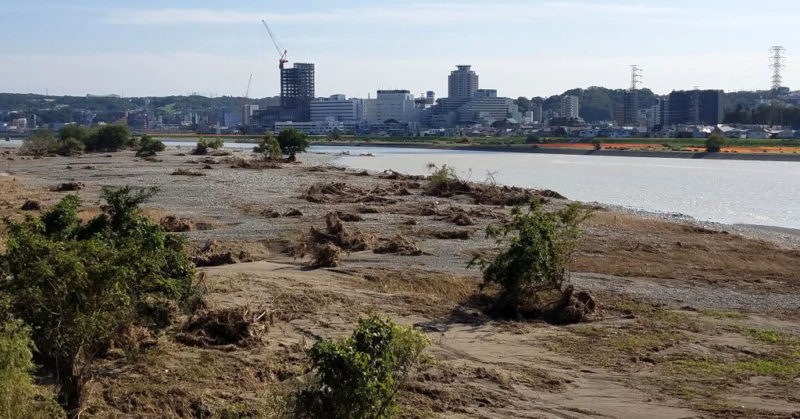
{"x":520,"y":47}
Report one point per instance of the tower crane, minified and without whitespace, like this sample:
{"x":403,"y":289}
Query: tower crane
{"x":281,"y":50}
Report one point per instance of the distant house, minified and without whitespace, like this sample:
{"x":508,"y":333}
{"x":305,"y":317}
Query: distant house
{"x":731,"y":132}
{"x":757,"y":134}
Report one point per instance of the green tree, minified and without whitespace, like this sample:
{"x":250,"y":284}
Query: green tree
{"x":108,"y":138}
{"x":537,"y":257}
{"x":597,"y":143}
{"x":334,"y":135}
{"x":149,"y":146}
{"x":714,"y":143}
{"x":269,"y":148}
{"x":16,"y":366}
{"x":292,"y":142}
{"x":78,"y":286}
{"x":205,"y":143}
{"x":358,"y":377}
{"x":39,"y":143}
{"x":78,"y":132}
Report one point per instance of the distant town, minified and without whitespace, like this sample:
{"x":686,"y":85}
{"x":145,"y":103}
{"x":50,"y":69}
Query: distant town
{"x":468,"y":110}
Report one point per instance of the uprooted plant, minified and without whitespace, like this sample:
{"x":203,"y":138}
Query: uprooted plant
{"x":533,"y":269}
{"x":360,"y":376}
{"x":78,"y":286}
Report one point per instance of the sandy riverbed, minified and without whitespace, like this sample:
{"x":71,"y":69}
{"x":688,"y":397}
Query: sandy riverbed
{"x":670,"y":291}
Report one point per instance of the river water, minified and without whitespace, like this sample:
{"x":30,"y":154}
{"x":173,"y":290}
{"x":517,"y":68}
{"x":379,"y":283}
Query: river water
{"x":725,"y":191}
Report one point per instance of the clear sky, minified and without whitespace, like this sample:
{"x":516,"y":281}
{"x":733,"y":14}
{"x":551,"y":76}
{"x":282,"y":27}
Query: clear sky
{"x":520,"y":47}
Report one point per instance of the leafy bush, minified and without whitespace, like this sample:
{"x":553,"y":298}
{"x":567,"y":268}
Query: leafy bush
{"x":598,"y":143}
{"x":205,"y":143}
{"x":78,"y":286}
{"x":359,"y":377}
{"x":714,"y":143}
{"x":444,"y":181}
{"x":269,"y":148}
{"x":540,"y":246}
{"x":16,"y":365}
{"x":292,"y":142}
{"x":108,"y":138}
{"x":149,"y":146}
{"x":78,"y":132}
{"x":40,"y":143}
{"x":69,"y":146}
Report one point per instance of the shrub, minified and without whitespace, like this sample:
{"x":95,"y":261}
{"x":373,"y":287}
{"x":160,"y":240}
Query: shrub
{"x":359,"y":377}
{"x":540,"y":246}
{"x":78,"y":132}
{"x":149,"y":146}
{"x":78,"y":286}
{"x":269,"y":148}
{"x":292,"y":142}
{"x":444,"y":181}
{"x":205,"y":143}
{"x":69,"y":146}
{"x":598,"y":143}
{"x":108,"y":138}
{"x":16,"y":365}
{"x":715,"y":142}
{"x":40,"y":143}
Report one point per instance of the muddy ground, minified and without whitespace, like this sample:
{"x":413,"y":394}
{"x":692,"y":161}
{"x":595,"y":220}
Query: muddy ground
{"x":693,"y":321}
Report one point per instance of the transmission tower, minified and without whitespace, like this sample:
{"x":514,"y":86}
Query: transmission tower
{"x":776,"y":64}
{"x":631,"y":106}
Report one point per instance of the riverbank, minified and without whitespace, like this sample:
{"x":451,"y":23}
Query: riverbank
{"x":686,"y":308}
{"x":575,"y":152}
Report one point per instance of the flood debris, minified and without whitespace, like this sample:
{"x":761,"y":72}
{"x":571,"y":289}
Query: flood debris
{"x":327,"y":255}
{"x":68,"y":187}
{"x":226,"y":329}
{"x":399,"y":245}
{"x":340,"y":193}
{"x":175,"y":224}
{"x":31,"y":205}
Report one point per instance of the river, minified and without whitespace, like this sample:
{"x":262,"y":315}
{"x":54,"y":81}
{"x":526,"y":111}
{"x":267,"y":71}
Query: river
{"x":726,"y":191}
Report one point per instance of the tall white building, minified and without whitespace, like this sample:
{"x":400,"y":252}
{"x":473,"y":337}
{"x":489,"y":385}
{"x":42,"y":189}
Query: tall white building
{"x":337,"y":108}
{"x":391,"y":104}
{"x":570,"y":106}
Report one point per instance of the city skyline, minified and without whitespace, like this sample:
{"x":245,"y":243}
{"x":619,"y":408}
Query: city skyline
{"x":520,"y":48}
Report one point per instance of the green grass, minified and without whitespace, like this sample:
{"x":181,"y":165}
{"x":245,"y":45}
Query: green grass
{"x":770,"y":337}
{"x":722,"y":314}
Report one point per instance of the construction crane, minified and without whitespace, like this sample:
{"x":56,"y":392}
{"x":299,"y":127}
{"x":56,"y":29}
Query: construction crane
{"x":281,"y":50}
{"x":247,"y":91}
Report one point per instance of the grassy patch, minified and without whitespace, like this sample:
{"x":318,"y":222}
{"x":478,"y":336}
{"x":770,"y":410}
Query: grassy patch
{"x":770,"y":337}
{"x":722,"y":314}
{"x":540,"y":379}
{"x":643,"y":341}
{"x":783,"y":368}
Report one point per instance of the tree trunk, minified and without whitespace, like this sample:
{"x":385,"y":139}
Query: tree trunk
{"x":70,"y":388}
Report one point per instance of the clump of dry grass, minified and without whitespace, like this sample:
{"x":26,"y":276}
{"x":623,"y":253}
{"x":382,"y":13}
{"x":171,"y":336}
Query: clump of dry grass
{"x":185,"y":172}
{"x":221,"y":329}
{"x":399,"y":245}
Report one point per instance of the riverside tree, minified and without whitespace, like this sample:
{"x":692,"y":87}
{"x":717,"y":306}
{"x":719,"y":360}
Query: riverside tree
{"x":536,"y":258}
{"x":360,"y":376}
{"x":292,"y":142}
{"x":714,"y":143}
{"x":269,"y":148}
{"x":79,"y":286}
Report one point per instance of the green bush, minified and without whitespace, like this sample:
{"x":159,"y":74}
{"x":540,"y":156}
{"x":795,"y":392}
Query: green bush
{"x":39,"y":143}
{"x":715,"y":142}
{"x":359,"y":377}
{"x":598,"y":143}
{"x":78,"y":132}
{"x":149,"y":146}
{"x":79,"y":285}
{"x":269,"y":148}
{"x":108,"y":138}
{"x":444,"y":181}
{"x":205,"y":143}
{"x":69,"y":147}
{"x":292,"y":142}
{"x":16,"y":365}
{"x":536,"y":260}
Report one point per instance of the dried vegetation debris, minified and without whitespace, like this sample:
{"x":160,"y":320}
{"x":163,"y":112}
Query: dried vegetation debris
{"x":225,"y":328}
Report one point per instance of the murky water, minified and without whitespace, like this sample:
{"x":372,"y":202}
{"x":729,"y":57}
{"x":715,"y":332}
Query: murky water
{"x":727,"y":191}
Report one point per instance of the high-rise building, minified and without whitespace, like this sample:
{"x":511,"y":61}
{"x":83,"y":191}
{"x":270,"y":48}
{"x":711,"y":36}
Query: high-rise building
{"x":248,"y":110}
{"x":696,"y":107}
{"x":297,"y":90}
{"x":570,"y":106}
{"x":395,"y":105}
{"x":462,"y":83}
